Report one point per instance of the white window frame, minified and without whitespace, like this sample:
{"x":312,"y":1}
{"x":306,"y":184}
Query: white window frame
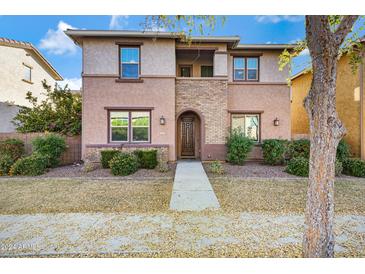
{"x":25,"y":66}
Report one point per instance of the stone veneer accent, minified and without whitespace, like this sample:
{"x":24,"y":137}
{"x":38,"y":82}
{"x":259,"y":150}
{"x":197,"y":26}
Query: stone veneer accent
{"x":209,"y":97}
{"x":92,"y":153}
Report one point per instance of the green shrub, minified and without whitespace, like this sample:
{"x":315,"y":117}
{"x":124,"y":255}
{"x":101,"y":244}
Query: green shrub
{"x":338,"y":168}
{"x":274,"y":151}
{"x":12,"y":147}
{"x":51,"y":145}
{"x":299,"y":148}
{"x":33,"y":165}
{"x":146,"y":158}
{"x":216,"y":167}
{"x":123,"y":164}
{"x":238,"y":147}
{"x":6,"y":161}
{"x":354,"y":167}
{"x":59,"y":111}
{"x":298,"y":166}
{"x":107,"y":155}
{"x":343,"y":151}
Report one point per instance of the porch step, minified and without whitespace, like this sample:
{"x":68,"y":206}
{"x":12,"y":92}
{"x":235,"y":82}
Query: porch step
{"x":192,"y":190}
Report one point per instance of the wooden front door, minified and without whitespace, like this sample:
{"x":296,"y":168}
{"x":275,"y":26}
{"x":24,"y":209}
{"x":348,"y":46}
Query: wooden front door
{"x":187,"y":137}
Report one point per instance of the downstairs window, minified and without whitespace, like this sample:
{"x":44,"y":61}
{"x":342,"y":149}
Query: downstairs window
{"x":249,"y":124}
{"x":130,"y":126}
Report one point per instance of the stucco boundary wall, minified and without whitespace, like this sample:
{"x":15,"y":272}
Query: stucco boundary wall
{"x":93,"y":155}
{"x":70,"y":156}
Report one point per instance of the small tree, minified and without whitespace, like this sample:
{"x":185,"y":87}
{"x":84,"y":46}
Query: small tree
{"x":59,"y":112}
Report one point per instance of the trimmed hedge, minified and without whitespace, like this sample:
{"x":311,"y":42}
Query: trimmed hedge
{"x":343,"y":151}
{"x":6,"y":161}
{"x":274,"y":151}
{"x":299,"y":166}
{"x":238,"y":147}
{"x":12,"y":147}
{"x":354,"y":167}
{"x":298,"y":148}
{"x":124,"y":164}
{"x":51,"y":145}
{"x":33,"y":165}
{"x":146,"y":158}
{"x":107,"y":155}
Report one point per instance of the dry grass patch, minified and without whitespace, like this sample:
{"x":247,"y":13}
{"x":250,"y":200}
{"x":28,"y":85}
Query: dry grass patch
{"x":280,"y":196}
{"x":55,"y":196}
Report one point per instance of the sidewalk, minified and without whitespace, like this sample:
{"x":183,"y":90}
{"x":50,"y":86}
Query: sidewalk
{"x":192,"y":189}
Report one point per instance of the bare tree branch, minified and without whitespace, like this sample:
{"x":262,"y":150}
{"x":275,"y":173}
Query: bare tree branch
{"x":344,"y":28}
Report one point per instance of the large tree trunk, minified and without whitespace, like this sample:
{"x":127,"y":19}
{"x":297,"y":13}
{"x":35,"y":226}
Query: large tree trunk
{"x":326,"y":130}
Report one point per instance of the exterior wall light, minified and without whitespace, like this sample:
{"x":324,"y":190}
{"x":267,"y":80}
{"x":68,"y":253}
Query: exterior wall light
{"x":162,"y":120}
{"x":276,"y":122}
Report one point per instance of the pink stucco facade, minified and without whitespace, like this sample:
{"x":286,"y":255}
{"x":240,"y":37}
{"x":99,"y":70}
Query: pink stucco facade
{"x":162,"y":91}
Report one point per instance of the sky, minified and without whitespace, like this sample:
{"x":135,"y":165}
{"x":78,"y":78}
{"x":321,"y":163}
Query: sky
{"x":46,"y":33}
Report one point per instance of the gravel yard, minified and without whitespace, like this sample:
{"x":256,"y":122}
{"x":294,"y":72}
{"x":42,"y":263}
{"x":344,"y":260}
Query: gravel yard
{"x":256,"y":170}
{"x":77,"y":171}
{"x":115,"y":217}
{"x":283,"y":196}
{"x":41,"y":195}
{"x":251,"y":169}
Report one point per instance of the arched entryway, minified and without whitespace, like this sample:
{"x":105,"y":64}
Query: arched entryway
{"x":189,"y":135}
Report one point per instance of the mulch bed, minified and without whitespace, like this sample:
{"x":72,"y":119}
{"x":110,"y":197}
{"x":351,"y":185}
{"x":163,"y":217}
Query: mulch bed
{"x":252,"y":169}
{"x":77,"y":171}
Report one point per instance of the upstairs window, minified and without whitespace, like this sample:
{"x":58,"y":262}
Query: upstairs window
{"x":239,"y":65}
{"x":27,"y":74}
{"x":129,"y":62}
{"x":245,"y":68}
{"x":252,"y":68}
{"x":206,"y":71}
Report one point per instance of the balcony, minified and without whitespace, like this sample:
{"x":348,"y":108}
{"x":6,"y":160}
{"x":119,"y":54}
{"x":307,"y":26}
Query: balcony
{"x":195,"y":63}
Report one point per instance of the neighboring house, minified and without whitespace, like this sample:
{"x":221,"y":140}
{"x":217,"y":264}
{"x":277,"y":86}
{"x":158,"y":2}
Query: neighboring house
{"x":350,"y":103}
{"x":150,"y":89}
{"x":22,"y":69}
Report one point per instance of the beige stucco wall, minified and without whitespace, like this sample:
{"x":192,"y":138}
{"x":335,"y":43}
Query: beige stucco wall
{"x":101,"y":56}
{"x":269,"y":69}
{"x":100,"y":92}
{"x":347,"y":103}
{"x":12,"y":88}
{"x":272,"y":100}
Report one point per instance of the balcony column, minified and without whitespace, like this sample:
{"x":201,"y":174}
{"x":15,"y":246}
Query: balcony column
{"x":220,"y":64}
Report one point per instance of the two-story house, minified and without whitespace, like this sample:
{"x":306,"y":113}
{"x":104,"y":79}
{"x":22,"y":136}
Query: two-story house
{"x":22,"y":69}
{"x":151,"y":89}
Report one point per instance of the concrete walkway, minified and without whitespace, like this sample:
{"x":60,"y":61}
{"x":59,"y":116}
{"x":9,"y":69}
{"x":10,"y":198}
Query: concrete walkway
{"x":192,"y":189}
